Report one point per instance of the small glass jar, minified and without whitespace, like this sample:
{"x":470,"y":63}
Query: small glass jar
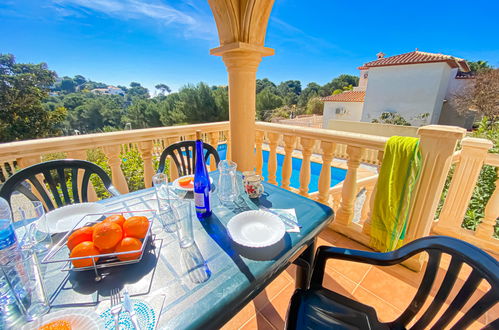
{"x":253,"y":186}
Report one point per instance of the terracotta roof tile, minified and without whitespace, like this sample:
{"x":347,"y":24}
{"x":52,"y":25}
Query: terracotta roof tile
{"x":416,"y":57}
{"x":348,"y":96}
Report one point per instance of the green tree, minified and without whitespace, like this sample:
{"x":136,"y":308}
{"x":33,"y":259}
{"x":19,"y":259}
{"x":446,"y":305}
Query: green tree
{"x":79,"y":80}
{"x":339,"y":82}
{"x":137,"y":90}
{"x":143,"y":114}
{"x":266,"y":101}
{"x":169,"y":112}
{"x":23,"y":87}
{"x":163,"y":89}
{"x":479,"y":66}
{"x":311,"y":91}
{"x":261,"y":84}
{"x":67,"y":85}
{"x":315,"y":106}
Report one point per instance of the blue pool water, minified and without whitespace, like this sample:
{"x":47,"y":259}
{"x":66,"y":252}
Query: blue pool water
{"x":337,"y":174}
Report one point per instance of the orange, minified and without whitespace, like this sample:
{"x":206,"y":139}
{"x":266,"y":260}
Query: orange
{"x":136,"y":227}
{"x":56,"y":325}
{"x":107,"y":235}
{"x":81,"y":250}
{"x":185,"y":182}
{"x":116,"y":218}
{"x":83,"y":234}
{"x":128,"y":244}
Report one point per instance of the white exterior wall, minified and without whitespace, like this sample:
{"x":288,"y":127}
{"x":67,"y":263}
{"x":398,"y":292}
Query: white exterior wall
{"x":409,"y":90}
{"x":353,"y":111}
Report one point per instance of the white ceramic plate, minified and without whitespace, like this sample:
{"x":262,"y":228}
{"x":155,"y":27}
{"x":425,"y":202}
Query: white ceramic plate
{"x":176,"y":185}
{"x":65,"y":218}
{"x":80,"y":319}
{"x":256,"y":229}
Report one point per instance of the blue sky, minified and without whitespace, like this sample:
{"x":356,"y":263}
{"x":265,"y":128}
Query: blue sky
{"x":163,"y":41}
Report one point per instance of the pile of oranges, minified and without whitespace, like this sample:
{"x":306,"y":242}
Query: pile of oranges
{"x":113,"y":234}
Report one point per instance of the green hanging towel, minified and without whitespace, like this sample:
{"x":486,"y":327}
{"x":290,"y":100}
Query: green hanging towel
{"x":397,"y":178}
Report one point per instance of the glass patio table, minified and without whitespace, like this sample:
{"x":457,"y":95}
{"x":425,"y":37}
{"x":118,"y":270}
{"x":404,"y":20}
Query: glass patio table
{"x":160,"y":279}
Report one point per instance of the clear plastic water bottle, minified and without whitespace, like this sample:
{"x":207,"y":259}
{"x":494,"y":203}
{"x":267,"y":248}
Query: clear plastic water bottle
{"x":11,"y":270}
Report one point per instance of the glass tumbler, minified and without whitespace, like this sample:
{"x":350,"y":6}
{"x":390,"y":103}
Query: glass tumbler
{"x":36,"y":231}
{"x":26,"y":283}
{"x":227,"y":181}
{"x":160,"y":182}
{"x":183,"y":214}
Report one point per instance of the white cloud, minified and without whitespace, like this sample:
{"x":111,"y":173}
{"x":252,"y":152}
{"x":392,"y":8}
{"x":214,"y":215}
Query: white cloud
{"x":193,"y":23}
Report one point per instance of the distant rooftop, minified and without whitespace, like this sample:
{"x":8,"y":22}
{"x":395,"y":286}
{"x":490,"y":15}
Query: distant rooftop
{"x":417,"y":57}
{"x":348,"y":96}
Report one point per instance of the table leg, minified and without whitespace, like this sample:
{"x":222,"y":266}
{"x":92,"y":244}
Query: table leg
{"x":304,"y":263}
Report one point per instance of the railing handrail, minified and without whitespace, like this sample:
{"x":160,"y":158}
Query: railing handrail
{"x":492,"y":159}
{"x":26,"y":148}
{"x":352,"y":139}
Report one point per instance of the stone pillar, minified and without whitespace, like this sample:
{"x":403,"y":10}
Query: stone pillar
{"x":242,"y":62}
{"x":437,"y":145}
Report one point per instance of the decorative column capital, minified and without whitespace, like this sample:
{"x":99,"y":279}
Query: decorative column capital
{"x":242,"y":56}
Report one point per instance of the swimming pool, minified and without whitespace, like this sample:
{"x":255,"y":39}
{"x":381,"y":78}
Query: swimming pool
{"x":337,"y":174}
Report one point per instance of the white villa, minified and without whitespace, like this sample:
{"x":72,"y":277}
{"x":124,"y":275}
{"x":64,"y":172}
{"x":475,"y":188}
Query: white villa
{"x":109,"y":90}
{"x":415,"y":85}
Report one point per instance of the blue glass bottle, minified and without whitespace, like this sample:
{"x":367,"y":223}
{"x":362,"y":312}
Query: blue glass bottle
{"x":201,"y":182}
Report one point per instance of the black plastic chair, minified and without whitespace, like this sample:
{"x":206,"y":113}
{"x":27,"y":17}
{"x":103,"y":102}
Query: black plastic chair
{"x":55,"y":174}
{"x":319,"y":308}
{"x":184,"y":155}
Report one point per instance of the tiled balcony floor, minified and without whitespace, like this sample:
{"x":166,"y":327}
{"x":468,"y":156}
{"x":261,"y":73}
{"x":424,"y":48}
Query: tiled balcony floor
{"x":388,"y":289}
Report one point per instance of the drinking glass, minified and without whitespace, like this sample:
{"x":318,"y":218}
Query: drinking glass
{"x":36,"y":232}
{"x":183,"y":214}
{"x":160,"y":182}
{"x":194,"y":264}
{"x":25,"y":281}
{"x":227,"y":182}
{"x":166,"y":215}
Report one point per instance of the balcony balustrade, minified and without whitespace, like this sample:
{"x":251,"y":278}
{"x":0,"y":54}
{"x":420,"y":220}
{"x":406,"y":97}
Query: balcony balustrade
{"x":438,"y":144}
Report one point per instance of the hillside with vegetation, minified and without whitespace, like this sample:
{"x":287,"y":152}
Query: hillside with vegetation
{"x":35,"y":102}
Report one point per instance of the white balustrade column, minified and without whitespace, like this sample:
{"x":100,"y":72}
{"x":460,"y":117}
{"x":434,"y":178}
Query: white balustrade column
{"x":307,"y":145}
{"x":287,"y":166}
{"x":145,"y":149}
{"x":485,"y":230}
{"x":114,"y":161}
{"x":366,"y":228}
{"x":345,"y":213}
{"x":82,"y":155}
{"x":214,"y":143}
{"x":272,"y":164}
{"x":462,"y":185}
{"x":259,"y":154}
{"x":325,"y":176}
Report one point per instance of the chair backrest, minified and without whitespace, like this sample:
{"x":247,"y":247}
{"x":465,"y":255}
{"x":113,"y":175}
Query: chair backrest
{"x":57,"y":177}
{"x":484,"y":267}
{"x":184,"y":155}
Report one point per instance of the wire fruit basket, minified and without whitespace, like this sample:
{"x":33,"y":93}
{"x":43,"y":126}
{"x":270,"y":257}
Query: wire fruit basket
{"x":59,"y":253}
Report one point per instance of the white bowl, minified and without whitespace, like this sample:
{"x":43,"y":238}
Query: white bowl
{"x":256,"y":229}
{"x":65,"y":218}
